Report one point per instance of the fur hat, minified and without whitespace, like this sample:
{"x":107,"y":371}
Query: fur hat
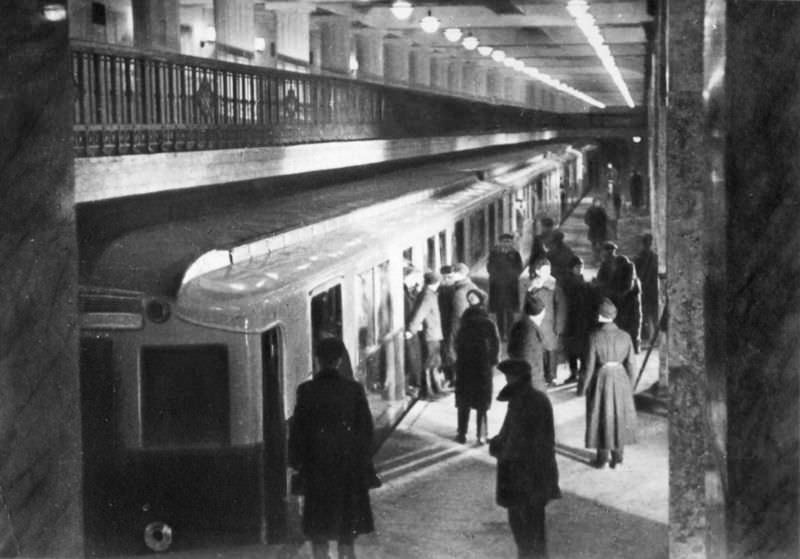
{"x":514,"y":367}
{"x":533,"y":305}
{"x":607,"y":309}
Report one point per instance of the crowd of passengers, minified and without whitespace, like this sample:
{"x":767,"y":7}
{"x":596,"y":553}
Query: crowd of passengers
{"x":454,"y":332}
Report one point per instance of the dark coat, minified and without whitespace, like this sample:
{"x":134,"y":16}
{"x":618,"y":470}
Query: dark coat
{"x":527,"y":472}
{"x":647,"y":269}
{"x":330,"y":444}
{"x":504,"y":269}
{"x":540,"y":247}
{"x":458,"y":306}
{"x":555,"y":317}
{"x":596,"y":219}
{"x":477,"y":347}
{"x":525,"y":341}
{"x":412,"y":348}
{"x":610,"y":374}
{"x":426,"y":316}
{"x":560,"y":256}
{"x":618,"y":281}
{"x":579,"y":314}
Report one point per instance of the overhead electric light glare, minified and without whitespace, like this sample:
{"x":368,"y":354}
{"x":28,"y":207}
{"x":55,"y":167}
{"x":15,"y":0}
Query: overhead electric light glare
{"x":353,"y":64}
{"x":401,"y":9}
{"x":509,"y":62}
{"x":429,"y":23}
{"x":470,"y":42}
{"x":554,"y":83}
{"x":209,"y":35}
{"x":636,"y":139}
{"x":452,"y":34}
{"x":54,"y":12}
{"x":579,"y":10}
{"x":498,"y":56}
{"x":260,"y":44}
{"x":518,"y":65}
{"x":484,"y":50}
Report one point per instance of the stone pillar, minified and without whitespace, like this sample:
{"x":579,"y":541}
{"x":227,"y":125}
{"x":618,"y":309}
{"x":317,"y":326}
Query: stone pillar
{"x":419,"y":67}
{"x":395,"y":61}
{"x":758,"y":272}
{"x":156,"y":25}
{"x":695,"y":471}
{"x":41,"y":501}
{"x":439,"y":73}
{"x":369,"y":52}
{"x":455,"y":71}
{"x":234,"y":21}
{"x":510,"y":89}
{"x":266,"y":27}
{"x":336,"y":37}
{"x":495,"y":84}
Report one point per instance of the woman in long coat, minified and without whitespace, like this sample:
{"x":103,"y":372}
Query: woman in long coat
{"x":477,"y":347}
{"x":610,"y":374}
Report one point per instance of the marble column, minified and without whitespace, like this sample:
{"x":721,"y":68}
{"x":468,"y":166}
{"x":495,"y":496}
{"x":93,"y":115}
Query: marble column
{"x":439,"y":72}
{"x":234,"y":21}
{"x":455,"y":71}
{"x":419,"y":68}
{"x":369,"y":52}
{"x":760,"y":356}
{"x":40,"y":421}
{"x":510,"y":90}
{"x":336,"y":36}
{"x":395,"y":61}
{"x":293,"y":39}
{"x":156,"y":25}
{"x":266,"y":27}
{"x":495,"y":84}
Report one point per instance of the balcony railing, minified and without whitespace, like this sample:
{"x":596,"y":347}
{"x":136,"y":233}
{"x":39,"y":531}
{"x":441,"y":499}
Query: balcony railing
{"x":128,"y":102}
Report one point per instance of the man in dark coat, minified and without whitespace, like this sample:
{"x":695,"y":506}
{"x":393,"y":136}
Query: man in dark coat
{"x":541,"y":242}
{"x":637,"y":189}
{"x":504,"y":267}
{"x":330,"y":446}
{"x":527,"y":473}
{"x":560,"y":256}
{"x":579,"y":318}
{"x":617,"y":280}
{"x":610,"y":374}
{"x":477,"y":348}
{"x":445,"y":293}
{"x":526,"y":341}
{"x":646,"y":263}
{"x":596,"y":219}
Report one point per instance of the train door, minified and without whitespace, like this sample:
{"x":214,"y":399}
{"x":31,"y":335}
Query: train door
{"x":274,"y":472}
{"x":431,"y":261}
{"x":458,"y":242}
{"x":492,"y":224}
{"x":444,"y":256}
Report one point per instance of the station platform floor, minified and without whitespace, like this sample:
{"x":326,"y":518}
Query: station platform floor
{"x":438,"y":501}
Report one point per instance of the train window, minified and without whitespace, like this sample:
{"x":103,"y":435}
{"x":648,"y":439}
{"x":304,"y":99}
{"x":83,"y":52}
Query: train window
{"x":493,"y":223}
{"x":384,"y":285}
{"x":477,"y":226}
{"x":443,"y":256}
{"x":431,"y":262}
{"x":458,"y":242}
{"x":540,"y":190}
{"x":326,"y":314}
{"x":185,"y":398}
{"x":366,"y":310}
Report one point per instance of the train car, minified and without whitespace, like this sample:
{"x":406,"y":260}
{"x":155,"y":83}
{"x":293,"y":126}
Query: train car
{"x":186,"y":397}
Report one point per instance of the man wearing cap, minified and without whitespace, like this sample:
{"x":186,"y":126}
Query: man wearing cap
{"x":504,"y":267}
{"x":546,"y":287}
{"x":646,"y":263}
{"x":560,"y":256}
{"x":527,"y":473}
{"x":426,"y":318}
{"x":596,"y":219}
{"x":579,"y":319}
{"x":526,"y":341}
{"x":617,"y":280}
{"x":610,"y":374}
{"x":330,"y":446}
{"x":541,"y":242}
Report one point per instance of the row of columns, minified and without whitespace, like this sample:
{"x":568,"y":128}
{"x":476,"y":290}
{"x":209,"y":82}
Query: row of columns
{"x":295,"y":39}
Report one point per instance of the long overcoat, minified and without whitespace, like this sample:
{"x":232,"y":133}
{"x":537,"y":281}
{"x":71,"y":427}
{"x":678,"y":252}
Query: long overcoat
{"x":610,"y":374}
{"x":525,"y":341}
{"x":579,"y":314}
{"x":647,"y":269}
{"x":477,"y":348}
{"x":555,"y":305}
{"x":527,"y":473}
{"x":504,"y":267}
{"x":330,"y":444}
{"x":596,"y":219}
{"x":459,"y":304}
{"x":618,"y":281}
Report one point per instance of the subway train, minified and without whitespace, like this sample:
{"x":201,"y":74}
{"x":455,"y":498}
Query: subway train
{"x":186,"y":394}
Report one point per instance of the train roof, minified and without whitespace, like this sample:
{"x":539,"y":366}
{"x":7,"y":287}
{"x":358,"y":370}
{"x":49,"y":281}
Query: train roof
{"x":154,"y":259}
{"x":242,"y":296}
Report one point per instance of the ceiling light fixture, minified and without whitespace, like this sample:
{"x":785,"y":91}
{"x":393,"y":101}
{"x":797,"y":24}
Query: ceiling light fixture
{"x":401,"y":9}
{"x":554,"y":83}
{"x":485,"y":50}
{"x":518,"y":65}
{"x":470,"y":42}
{"x":508,"y":61}
{"x":498,"y":56}
{"x":429,"y":23}
{"x":452,"y":34}
{"x":260,"y":44}
{"x":579,"y":10}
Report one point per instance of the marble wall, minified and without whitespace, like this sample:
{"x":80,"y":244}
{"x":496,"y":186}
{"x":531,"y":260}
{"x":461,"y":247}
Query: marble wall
{"x":40,"y":468}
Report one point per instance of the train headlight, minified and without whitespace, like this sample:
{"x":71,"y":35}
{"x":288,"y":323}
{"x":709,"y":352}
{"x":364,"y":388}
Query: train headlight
{"x":157,"y":311}
{"x":158,"y":536}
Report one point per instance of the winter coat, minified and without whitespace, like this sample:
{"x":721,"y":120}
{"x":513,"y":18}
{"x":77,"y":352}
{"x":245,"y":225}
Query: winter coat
{"x":525,"y":341}
{"x":458,"y":306}
{"x":610,"y":374}
{"x":596,"y":219}
{"x":560,"y":256}
{"x":477,"y":347}
{"x":504,"y":268}
{"x":647,"y":269}
{"x":579,"y":314}
{"x":426,"y":316}
{"x":330,"y":444}
{"x":527,"y":472}
{"x":618,"y":281}
{"x":555,"y":317}
{"x":540,"y":247}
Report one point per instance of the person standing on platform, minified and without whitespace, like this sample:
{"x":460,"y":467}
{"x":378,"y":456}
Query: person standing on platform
{"x":546,"y":288}
{"x":412,"y":282}
{"x":646,"y":263}
{"x":446,"y":313}
{"x":560,"y":256}
{"x":541,"y":242}
{"x":617,"y":280}
{"x":462,"y":284}
{"x":596,"y":219}
{"x":526,"y":341}
{"x":610,"y":374}
{"x":637,"y":189}
{"x":579,"y":317}
{"x":426,"y":318}
{"x":504,"y":267}
{"x":330,"y":447}
{"x":527,"y":473}
{"x":477,"y":348}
